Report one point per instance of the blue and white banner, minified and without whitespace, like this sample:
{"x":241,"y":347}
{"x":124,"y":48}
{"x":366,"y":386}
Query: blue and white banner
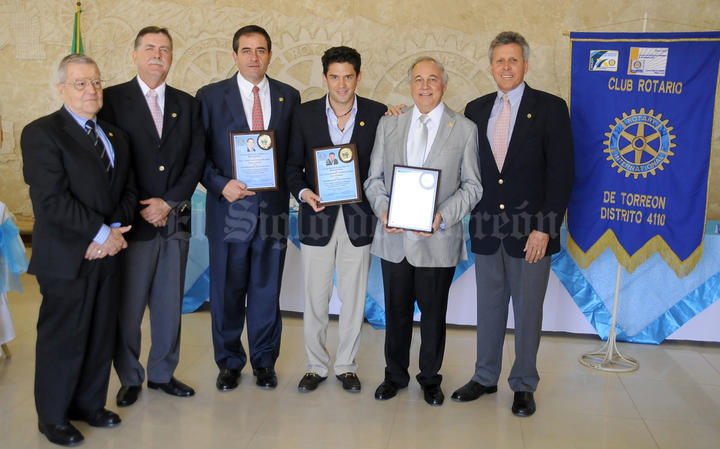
{"x":642,"y":110}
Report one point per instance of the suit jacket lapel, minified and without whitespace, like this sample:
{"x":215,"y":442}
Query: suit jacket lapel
{"x":359,"y":134}
{"x":78,"y":134}
{"x":277,"y":102}
{"x":401,"y":135}
{"x":235,"y":104}
{"x":447,"y":121}
{"x":522,"y":126}
{"x":319,"y":122}
{"x":136,"y":105}
{"x":171,"y":113}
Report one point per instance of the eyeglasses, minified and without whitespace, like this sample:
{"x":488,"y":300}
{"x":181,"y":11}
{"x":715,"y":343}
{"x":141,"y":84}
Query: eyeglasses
{"x":83,"y":84}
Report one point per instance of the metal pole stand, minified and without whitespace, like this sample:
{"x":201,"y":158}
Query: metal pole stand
{"x":608,"y":357}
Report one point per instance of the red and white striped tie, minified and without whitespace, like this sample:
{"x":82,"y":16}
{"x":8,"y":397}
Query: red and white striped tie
{"x":257,"y":115}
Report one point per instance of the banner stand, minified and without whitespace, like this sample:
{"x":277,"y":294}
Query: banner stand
{"x":608,"y":357}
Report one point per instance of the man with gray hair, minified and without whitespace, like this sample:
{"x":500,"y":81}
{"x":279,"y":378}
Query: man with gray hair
{"x":526,"y":162}
{"x":419,"y":266}
{"x":168,"y":152}
{"x":83,"y":196}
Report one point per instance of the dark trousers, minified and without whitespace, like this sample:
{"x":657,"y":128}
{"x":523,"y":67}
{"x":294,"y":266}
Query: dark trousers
{"x":253,"y":270}
{"x":499,"y":276}
{"x":153,"y":276}
{"x":403,"y":285}
{"x":75,"y":341}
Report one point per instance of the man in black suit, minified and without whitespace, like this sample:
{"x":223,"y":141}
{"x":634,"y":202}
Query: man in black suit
{"x":167,"y":146}
{"x":526,"y":164}
{"x":247,"y":231}
{"x":83,"y":196}
{"x":334,"y":238}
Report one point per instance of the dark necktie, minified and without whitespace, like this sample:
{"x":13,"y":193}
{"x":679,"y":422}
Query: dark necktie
{"x":98,"y":145}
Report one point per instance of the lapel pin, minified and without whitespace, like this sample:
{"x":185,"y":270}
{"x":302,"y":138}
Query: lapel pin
{"x":362,"y":123}
{"x":110,"y":134}
{"x":451,"y":123}
{"x":281,"y":99}
{"x":529,"y":115}
{"x":174,"y":114}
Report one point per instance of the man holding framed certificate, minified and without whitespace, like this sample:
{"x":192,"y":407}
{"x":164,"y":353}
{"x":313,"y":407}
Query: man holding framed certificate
{"x":329,"y":156}
{"x":428,"y":148}
{"x":246,"y":229}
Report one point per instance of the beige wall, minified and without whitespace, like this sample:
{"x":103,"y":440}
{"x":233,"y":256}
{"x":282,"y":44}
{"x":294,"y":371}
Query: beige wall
{"x":35,"y":34}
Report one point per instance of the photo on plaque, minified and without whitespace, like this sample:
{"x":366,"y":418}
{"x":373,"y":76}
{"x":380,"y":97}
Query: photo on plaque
{"x":413,"y":193}
{"x":254,"y":160}
{"x":337,"y":175}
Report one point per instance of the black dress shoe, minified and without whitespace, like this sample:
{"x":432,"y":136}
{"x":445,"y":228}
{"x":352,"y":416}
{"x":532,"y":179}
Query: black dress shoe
{"x":471,"y":391}
{"x":350,"y":382}
{"x":96,"y":418}
{"x":433,"y":395}
{"x":386,"y":390}
{"x":266,"y":378}
{"x":227,"y":379}
{"x":62,"y":434}
{"x":523,"y":404}
{"x":173,"y":388}
{"x":127,"y":395}
{"x":310,"y":382}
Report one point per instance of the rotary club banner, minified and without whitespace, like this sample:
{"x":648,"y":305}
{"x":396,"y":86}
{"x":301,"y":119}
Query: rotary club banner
{"x":642,"y":111}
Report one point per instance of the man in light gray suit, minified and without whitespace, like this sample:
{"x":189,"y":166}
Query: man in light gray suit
{"x":418,"y":265}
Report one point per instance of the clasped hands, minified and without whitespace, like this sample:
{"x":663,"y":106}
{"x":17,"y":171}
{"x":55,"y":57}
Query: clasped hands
{"x":113,"y":244}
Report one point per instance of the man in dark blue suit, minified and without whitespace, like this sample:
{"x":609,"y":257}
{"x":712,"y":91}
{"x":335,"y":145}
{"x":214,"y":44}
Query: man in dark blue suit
{"x":526,"y":163}
{"x":247,"y":230}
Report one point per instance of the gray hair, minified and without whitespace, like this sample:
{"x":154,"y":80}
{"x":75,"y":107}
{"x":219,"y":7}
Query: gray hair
{"x":74,"y":58}
{"x":428,"y":58}
{"x":510,"y":37}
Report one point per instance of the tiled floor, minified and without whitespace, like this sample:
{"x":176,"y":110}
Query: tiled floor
{"x":673,"y":401}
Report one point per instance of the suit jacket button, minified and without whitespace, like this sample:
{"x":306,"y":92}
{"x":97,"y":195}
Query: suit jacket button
{"x":502,"y":207}
{"x":161,"y":168}
{"x":500,"y":181}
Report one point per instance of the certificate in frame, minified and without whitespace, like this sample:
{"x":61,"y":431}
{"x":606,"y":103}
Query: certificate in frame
{"x":254,"y":159}
{"x":413,"y":197}
{"x":337,"y":174}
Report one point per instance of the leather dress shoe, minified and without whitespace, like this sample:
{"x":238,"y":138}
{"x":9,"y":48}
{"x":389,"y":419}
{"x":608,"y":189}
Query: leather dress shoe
{"x":173,"y":388}
{"x":310,"y":382}
{"x":227,"y":379}
{"x":350,"y":382}
{"x":523,"y":403}
{"x":386,"y":390}
{"x":433,"y":395}
{"x":471,"y":391}
{"x":127,"y":395}
{"x":266,"y":378}
{"x":96,"y":418}
{"x":62,"y":434}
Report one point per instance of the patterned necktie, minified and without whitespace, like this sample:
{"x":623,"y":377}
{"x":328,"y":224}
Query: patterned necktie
{"x":417,"y":155}
{"x":155,"y":111}
{"x":500,"y":136}
{"x":257,"y":115}
{"x":98,"y":145}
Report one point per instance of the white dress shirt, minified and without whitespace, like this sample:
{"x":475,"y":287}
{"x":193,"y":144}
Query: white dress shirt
{"x":248,"y":99}
{"x":160,"y":91}
{"x":433,"y":123}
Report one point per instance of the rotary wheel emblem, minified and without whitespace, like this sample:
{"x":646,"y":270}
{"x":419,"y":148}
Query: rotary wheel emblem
{"x":639,"y":143}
